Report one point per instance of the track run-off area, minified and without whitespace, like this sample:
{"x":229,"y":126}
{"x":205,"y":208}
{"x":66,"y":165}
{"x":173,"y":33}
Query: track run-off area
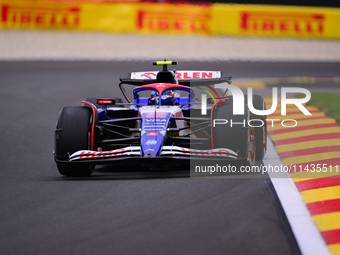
{"x":311,"y":150}
{"x":122,"y":210}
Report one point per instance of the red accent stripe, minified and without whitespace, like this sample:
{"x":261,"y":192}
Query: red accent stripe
{"x":93,"y":120}
{"x":90,"y":1}
{"x":329,"y":162}
{"x":331,"y":236}
{"x":211,"y":126}
{"x":295,"y":129}
{"x":295,"y":112}
{"x":322,"y":207}
{"x":213,"y":90}
{"x":292,"y":105}
{"x":307,"y":138}
{"x":312,"y":118}
{"x":309,"y":151}
{"x":318,"y":183}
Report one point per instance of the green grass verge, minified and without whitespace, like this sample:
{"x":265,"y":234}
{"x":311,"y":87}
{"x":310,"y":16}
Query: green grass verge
{"x":329,"y":103}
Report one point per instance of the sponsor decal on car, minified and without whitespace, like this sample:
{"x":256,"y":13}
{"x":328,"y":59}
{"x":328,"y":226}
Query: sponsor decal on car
{"x":213,"y":152}
{"x":97,"y":154}
{"x":179,"y":75}
{"x":166,"y":151}
{"x":158,"y":115}
{"x":151,"y":142}
{"x":152,"y":134}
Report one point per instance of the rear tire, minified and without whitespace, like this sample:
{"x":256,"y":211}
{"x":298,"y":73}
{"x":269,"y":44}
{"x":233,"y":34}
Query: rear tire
{"x":236,"y":137}
{"x":260,"y":132}
{"x":73,"y":134}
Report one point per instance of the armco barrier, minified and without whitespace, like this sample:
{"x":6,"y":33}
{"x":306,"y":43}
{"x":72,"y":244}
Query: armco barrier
{"x":163,"y":18}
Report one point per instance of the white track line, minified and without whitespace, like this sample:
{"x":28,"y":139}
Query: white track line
{"x":306,"y":233}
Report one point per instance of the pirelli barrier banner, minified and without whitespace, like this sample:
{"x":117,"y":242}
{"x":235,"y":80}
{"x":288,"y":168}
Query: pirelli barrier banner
{"x":283,"y":21}
{"x":172,"y":19}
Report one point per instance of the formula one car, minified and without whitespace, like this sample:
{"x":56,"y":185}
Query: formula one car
{"x":163,"y":125}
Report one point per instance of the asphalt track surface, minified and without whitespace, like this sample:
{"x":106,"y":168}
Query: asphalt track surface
{"x":122,"y":211}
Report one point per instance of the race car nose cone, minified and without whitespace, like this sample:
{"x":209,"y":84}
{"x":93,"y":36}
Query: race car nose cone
{"x":154,"y":125}
{"x":150,"y":155}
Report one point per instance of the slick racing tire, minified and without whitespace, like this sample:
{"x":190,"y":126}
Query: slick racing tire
{"x":237,"y":137}
{"x":73,"y":134}
{"x":260,"y":131}
{"x":93,"y":100}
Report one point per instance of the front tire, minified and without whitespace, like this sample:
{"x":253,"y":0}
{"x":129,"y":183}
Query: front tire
{"x":73,"y":134}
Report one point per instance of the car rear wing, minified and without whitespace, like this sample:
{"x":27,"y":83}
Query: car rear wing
{"x":186,"y":78}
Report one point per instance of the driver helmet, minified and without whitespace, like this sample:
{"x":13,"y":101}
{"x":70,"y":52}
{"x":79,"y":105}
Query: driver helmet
{"x":154,"y":98}
{"x":168,"y":97}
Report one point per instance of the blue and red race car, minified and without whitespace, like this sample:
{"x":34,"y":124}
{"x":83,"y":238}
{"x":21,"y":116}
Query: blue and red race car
{"x":164,"y":124}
